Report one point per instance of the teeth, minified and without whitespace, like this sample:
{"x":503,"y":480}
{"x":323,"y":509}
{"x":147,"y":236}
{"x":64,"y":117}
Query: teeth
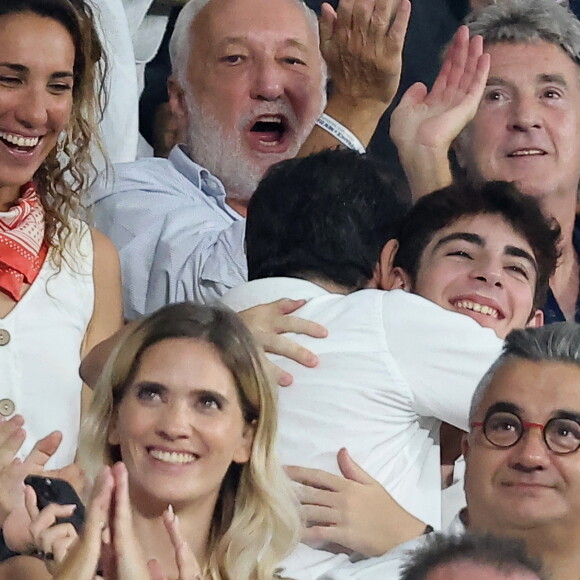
{"x":476,"y":307}
{"x":524,"y":152}
{"x":19,"y":140}
{"x":269,"y":120}
{"x":172,"y":457}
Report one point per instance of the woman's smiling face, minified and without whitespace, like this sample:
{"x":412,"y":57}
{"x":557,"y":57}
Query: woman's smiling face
{"x":179,"y":424}
{"x":37,"y":58}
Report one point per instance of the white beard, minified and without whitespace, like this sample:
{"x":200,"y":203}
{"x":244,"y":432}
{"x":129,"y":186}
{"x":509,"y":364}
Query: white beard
{"x":222,"y":152}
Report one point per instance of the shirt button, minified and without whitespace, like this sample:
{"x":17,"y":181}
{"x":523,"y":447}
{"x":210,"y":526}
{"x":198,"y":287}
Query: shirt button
{"x":6,"y":407}
{"x":4,"y":337}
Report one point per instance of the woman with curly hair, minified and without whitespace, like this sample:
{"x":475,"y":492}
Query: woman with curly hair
{"x":59,"y":279}
{"x":185,"y":404}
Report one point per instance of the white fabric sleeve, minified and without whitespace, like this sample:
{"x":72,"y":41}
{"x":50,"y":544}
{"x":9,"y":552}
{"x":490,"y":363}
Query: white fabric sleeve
{"x":441,"y":354}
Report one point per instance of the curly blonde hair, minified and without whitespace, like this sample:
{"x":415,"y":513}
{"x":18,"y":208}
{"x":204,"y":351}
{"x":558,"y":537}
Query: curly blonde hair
{"x":67,"y":172}
{"x":255,"y":522}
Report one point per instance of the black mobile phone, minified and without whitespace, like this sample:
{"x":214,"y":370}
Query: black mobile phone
{"x":54,"y":490}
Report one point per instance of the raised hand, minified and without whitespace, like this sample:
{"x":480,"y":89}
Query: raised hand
{"x":187,"y":565}
{"x":82,"y":558}
{"x":268,"y":322}
{"x":424,"y":124}
{"x":354,"y":511}
{"x":362,"y":43}
{"x":54,"y":541}
{"x":16,"y":522}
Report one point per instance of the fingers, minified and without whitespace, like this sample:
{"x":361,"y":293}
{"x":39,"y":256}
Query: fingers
{"x":351,"y":469}
{"x":278,"y":375}
{"x":299,"y":325}
{"x":42,"y":451}
{"x":12,"y":436}
{"x":285,"y":347}
{"x":398,"y":28}
{"x":316,"y":515}
{"x":43,"y":527}
{"x":315,"y":478}
{"x":186,"y":562}
{"x":326,"y":24}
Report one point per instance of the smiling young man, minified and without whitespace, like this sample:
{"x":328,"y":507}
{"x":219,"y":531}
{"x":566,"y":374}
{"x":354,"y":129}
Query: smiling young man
{"x":395,"y":364}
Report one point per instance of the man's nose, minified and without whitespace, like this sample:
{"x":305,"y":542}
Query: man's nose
{"x":268,"y":81}
{"x":525,"y":113}
{"x":531,"y":453}
{"x":488,"y":271}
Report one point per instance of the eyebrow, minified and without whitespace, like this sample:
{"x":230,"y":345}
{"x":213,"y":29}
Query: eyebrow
{"x":20,"y":68}
{"x":564,"y":414}
{"x":554,"y":78}
{"x":479,"y":241}
{"x":503,"y":407}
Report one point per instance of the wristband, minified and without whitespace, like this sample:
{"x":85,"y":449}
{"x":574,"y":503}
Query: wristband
{"x":340,"y":133}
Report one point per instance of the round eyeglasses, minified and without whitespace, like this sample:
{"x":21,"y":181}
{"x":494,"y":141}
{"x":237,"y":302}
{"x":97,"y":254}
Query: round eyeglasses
{"x":503,"y":429}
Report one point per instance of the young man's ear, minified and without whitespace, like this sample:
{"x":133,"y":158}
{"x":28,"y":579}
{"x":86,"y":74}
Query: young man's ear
{"x":401,"y":280}
{"x":536,"y":320}
{"x":177,"y":101}
{"x":383,"y":274}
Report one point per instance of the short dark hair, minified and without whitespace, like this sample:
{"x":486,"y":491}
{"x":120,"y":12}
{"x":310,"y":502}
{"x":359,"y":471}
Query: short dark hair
{"x":503,"y":554}
{"x":442,"y":208}
{"x":326,"y":216}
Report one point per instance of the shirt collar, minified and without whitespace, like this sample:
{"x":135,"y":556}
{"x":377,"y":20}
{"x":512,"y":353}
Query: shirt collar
{"x":201,"y":178}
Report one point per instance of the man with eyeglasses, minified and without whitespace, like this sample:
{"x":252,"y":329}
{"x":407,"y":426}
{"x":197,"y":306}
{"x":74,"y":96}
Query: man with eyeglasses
{"x":522,"y":476}
{"x":522,"y":463}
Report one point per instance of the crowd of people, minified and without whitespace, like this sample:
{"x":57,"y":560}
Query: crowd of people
{"x":424,"y":333}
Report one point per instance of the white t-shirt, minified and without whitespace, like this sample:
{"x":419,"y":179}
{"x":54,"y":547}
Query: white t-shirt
{"x":393,"y":366}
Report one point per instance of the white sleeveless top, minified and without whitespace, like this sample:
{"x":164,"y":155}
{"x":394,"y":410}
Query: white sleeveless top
{"x":40,"y":352}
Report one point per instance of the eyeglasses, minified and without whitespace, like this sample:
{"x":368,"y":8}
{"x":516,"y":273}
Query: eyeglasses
{"x":503,"y":429}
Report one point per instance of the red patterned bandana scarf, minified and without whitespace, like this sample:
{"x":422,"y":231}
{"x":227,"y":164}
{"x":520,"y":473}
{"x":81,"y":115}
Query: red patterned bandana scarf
{"x":22,"y":245}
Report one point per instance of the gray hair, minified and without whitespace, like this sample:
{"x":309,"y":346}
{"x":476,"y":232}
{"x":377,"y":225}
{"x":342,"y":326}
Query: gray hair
{"x":558,"y":342}
{"x":521,"y":21}
{"x":507,"y":555}
{"x":182,"y":38}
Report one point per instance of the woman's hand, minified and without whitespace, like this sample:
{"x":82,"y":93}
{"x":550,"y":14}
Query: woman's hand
{"x":354,"y":511}
{"x":82,"y":558}
{"x":187,"y":565}
{"x":268,"y":322}
{"x":15,"y":521}
{"x":53,"y":541}
{"x":130,"y":561}
{"x":424,"y":124}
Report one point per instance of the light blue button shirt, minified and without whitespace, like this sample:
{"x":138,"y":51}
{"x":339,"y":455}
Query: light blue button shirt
{"x":176,"y":236}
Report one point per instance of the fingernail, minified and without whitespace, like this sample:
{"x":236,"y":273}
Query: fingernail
{"x":71,"y":507}
{"x":171,"y":512}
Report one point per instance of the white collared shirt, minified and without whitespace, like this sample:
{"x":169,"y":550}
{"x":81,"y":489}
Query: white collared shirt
{"x":393,"y":367}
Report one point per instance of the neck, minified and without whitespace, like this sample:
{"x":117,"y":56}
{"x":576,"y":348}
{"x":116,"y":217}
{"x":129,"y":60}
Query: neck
{"x":8,"y":195}
{"x":195,"y":523}
{"x":239,"y":205}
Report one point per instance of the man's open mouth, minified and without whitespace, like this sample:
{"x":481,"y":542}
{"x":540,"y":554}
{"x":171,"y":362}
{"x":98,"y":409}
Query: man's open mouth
{"x":270,"y":130}
{"x":18,"y":142}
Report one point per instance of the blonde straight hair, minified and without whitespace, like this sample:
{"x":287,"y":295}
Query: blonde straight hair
{"x":255,"y":522}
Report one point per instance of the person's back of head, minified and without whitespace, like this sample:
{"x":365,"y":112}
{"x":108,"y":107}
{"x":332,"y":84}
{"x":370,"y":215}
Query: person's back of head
{"x":473,"y":555}
{"x":325,"y":217}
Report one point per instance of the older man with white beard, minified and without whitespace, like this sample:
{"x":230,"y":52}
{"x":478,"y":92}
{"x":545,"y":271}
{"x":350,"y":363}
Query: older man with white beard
{"x":247,"y":87}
